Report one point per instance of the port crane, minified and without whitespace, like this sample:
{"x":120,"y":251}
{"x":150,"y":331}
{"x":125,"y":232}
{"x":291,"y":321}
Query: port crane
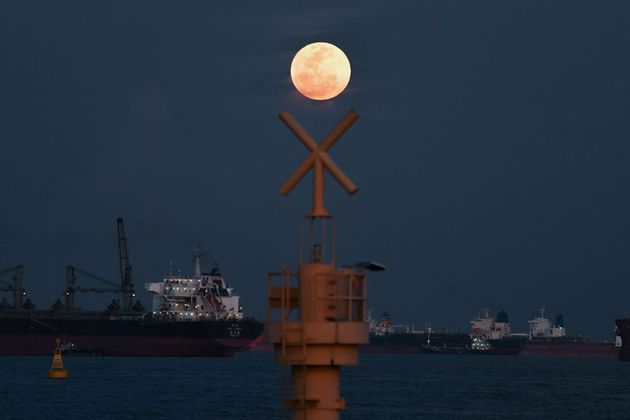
{"x":126,"y":286}
{"x":15,"y":286}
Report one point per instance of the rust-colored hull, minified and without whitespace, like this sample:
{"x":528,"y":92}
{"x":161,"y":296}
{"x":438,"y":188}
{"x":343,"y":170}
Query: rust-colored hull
{"x":390,"y":349}
{"x":39,"y":345}
{"x":570,"y":349}
{"x":32,"y":334}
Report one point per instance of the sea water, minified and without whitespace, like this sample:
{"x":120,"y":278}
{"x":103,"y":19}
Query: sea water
{"x":382,"y":387}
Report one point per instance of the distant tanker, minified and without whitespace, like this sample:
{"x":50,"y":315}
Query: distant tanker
{"x":488,"y":335}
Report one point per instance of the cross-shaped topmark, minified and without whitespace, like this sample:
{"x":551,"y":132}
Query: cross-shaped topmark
{"x":318,"y":160}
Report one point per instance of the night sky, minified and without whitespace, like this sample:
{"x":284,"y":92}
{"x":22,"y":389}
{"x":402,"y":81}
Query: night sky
{"x":492,"y":153}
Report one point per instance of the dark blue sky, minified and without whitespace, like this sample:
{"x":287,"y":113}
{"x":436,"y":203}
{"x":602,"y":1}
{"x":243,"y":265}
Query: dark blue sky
{"x":492,"y":153}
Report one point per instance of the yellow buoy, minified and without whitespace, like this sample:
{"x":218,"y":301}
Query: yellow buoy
{"x":57,"y":370}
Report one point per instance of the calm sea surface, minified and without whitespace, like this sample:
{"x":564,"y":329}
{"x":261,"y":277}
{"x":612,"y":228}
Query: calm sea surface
{"x":382,"y":387}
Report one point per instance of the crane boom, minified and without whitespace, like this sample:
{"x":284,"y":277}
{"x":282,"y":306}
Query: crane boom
{"x":71,"y":288}
{"x":96,"y":290}
{"x":9,"y":270}
{"x":93,"y":276}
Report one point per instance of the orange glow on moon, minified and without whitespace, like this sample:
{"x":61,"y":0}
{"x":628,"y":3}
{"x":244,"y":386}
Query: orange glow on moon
{"x":320,"y":71}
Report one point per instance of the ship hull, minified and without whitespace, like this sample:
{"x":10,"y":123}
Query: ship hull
{"x":390,"y":349}
{"x":567,"y":348}
{"x":442,"y":343}
{"x":37,"y":345}
{"x":623,"y":331}
{"x":546,"y":348}
{"x":36,"y":336}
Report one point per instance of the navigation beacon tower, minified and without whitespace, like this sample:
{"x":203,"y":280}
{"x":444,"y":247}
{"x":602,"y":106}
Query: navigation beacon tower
{"x":316,"y":315}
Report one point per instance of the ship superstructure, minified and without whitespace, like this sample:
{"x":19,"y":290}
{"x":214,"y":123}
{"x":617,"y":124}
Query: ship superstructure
{"x":383,"y":326}
{"x":488,"y":333}
{"x":489,"y":328}
{"x":541,"y":327}
{"x":202,"y":296}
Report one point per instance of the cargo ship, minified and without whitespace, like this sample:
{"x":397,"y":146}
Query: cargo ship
{"x":623,"y":338}
{"x":197,"y":315}
{"x":488,"y":335}
{"x":550,"y":339}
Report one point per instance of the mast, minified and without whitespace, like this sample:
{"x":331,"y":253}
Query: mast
{"x":71,"y":281}
{"x":197,"y":254}
{"x":18,"y":286}
{"x":126,"y":274}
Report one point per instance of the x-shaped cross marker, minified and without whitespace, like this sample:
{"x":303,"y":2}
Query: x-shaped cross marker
{"x":318,"y":160}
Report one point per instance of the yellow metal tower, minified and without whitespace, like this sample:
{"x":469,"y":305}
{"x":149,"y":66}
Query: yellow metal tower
{"x":316,"y":315}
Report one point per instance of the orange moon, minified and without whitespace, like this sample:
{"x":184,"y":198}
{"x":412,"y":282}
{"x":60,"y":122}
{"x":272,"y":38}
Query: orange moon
{"x":320,"y":71}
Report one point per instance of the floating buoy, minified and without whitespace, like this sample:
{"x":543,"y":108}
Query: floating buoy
{"x":57,"y":371}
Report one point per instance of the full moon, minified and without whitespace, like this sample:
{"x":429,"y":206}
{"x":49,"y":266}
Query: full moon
{"x":320,"y":71}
